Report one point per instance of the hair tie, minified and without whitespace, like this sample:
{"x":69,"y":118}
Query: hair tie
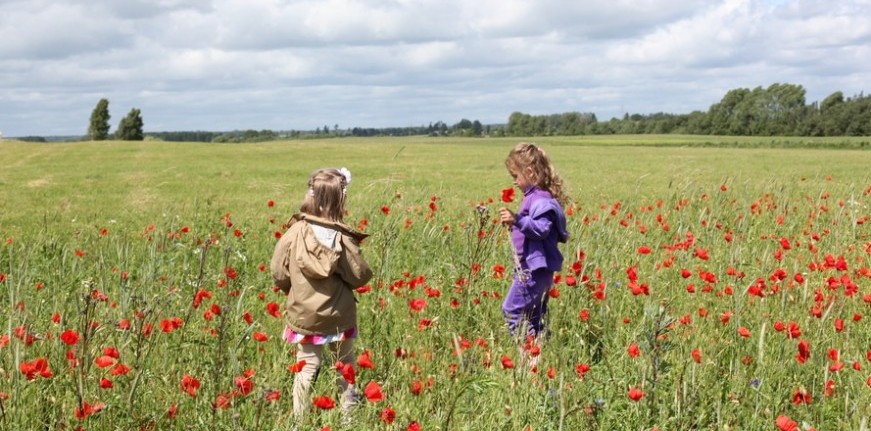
{"x":347,"y":174}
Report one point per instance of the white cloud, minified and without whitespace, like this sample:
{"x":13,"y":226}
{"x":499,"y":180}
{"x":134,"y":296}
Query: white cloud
{"x":218,"y":64}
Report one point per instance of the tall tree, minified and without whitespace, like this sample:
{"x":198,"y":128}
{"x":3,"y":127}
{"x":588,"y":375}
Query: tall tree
{"x":130,"y":127}
{"x":99,"y":127}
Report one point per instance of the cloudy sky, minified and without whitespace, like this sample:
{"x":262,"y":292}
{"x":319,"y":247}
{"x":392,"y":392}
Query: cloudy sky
{"x":287,"y":64}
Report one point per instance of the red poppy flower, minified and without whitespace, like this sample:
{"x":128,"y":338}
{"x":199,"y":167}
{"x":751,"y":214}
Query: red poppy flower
{"x":804,"y":352}
{"x":111,"y":351}
{"x":38,"y":366}
{"x":415,"y":387}
{"x":260,"y":336}
{"x":498,"y":271}
{"x":119,"y":369}
{"x":413,"y":426}
{"x":644,"y":249}
{"x":347,"y":371}
{"x":784,"y":423}
{"x":639,"y":289}
{"x":82,"y":412}
{"x":697,"y":355}
{"x":417,"y":304}
{"x":385,"y":209}
{"x":801,"y":395}
{"x":324,"y":402}
{"x":388,"y":415}
{"x":244,"y":384}
{"x":794,"y":331}
{"x":105,"y":383}
{"x":508,"y":195}
{"x":581,"y":370}
{"x":104,"y":361}
{"x":744,"y":332}
{"x":507,"y":363}
{"x":166,"y":326}
{"x":373,"y":392}
{"x":190,"y":385}
{"x":199,"y":296}
{"x":635,"y":394}
{"x":830,"y":388}
{"x":365,"y":360}
{"x":273,"y":309}
{"x":272,"y":395}
{"x":124,"y":324}
{"x":633,"y":350}
{"x":297,"y":367}
{"x":69,"y":337}
{"x":223,"y":401}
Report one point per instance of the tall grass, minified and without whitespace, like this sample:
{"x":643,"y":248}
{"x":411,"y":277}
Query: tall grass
{"x":157,"y":251}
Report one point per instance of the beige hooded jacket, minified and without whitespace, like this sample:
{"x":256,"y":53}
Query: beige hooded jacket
{"x":318,"y":280}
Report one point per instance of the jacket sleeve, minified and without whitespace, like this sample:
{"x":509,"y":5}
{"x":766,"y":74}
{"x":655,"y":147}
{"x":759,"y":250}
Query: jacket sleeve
{"x":279,"y":265}
{"x":353,"y":269}
{"x":537,"y":224}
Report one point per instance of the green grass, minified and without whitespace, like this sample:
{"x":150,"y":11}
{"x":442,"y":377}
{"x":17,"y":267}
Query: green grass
{"x":158,"y":213}
{"x":111,"y":180}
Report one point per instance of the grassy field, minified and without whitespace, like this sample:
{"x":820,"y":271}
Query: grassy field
{"x":711,"y":283}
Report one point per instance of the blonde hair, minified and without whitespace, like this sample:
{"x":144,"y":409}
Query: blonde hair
{"x":528,"y":155}
{"x":325,"y":196}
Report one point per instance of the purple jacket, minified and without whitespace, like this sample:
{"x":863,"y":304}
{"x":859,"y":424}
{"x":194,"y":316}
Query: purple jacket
{"x":539,"y":225}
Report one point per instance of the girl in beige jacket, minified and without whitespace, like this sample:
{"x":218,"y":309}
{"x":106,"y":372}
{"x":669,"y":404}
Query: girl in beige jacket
{"x":318,"y":263}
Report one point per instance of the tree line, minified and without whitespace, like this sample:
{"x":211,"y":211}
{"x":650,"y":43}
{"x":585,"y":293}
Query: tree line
{"x":778,"y":110}
{"x":464,"y":127}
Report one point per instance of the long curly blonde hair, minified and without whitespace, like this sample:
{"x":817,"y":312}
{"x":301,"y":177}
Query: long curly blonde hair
{"x":528,"y":155}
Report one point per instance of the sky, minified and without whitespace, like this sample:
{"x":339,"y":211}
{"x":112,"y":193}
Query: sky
{"x":222,"y":65}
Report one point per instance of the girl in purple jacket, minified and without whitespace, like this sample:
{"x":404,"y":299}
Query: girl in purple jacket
{"x":536,"y":228}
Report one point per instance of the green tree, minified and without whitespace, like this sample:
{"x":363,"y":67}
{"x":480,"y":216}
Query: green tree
{"x":99,"y":127}
{"x":477,"y":128}
{"x":130,"y":127}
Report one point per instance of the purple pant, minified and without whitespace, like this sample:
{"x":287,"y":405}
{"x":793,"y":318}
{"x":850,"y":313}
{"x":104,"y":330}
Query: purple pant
{"x":526,"y":303}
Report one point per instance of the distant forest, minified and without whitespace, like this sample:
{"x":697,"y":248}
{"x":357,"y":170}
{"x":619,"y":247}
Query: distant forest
{"x":779,"y":110}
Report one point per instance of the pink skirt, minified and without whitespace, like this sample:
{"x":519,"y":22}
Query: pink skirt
{"x":294,"y":337}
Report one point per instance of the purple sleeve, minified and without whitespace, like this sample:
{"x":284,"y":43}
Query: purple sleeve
{"x":535,"y":226}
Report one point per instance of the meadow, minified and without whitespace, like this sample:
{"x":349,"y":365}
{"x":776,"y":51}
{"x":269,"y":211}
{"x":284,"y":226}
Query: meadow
{"x":710,"y":283}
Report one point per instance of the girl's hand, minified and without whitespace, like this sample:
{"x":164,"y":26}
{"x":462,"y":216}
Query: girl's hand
{"x":506,"y":216}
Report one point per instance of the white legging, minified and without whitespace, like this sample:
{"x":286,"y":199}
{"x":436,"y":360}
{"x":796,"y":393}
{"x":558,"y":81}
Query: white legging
{"x":312,"y":355}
